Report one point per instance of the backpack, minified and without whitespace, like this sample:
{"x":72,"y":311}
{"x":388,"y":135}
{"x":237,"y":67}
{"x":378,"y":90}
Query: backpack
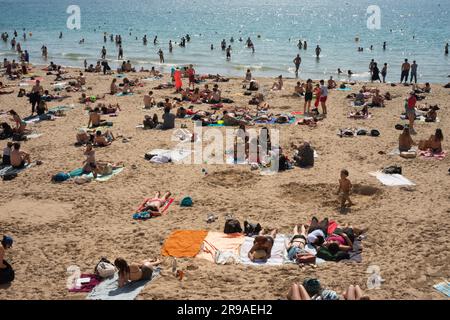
{"x":392,"y":170}
{"x":104,"y":268}
{"x":251,"y":229}
{"x":361,"y":132}
{"x":374,"y":133}
{"x":232,"y":226}
{"x":9,"y":176}
{"x":186,"y":202}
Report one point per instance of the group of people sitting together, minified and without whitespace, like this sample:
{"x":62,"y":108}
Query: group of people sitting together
{"x":14,"y":156}
{"x":126,"y":87}
{"x":433,"y":143}
{"x":96,"y":138}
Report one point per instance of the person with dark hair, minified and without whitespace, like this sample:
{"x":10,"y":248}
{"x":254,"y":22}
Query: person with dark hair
{"x":434,"y":143}
{"x":405,"y":142}
{"x":6,"y":271}
{"x":20,"y":124}
{"x":410,"y":108}
{"x":405,"y":71}
{"x":375,"y":73}
{"x":168,"y":119}
{"x":19,"y":158}
{"x":35,"y":95}
{"x":262,"y":246}
{"x":317,"y":231}
{"x":6,"y":132}
{"x":304,"y":156}
{"x":384,"y":72}
{"x":135,"y":271}
{"x":413,"y":72}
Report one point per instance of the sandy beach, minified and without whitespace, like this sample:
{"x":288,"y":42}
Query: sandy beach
{"x":58,"y":225}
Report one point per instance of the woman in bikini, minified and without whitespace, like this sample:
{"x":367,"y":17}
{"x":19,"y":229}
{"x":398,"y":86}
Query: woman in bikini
{"x":156,"y":204}
{"x":262,"y":246}
{"x":135,"y":271}
{"x":297,"y":244}
{"x":20,"y":124}
{"x":434,"y":142}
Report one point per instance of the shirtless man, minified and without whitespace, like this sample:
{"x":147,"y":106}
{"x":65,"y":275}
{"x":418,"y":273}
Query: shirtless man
{"x":19,"y":158}
{"x":81,"y":80}
{"x":405,"y":142}
{"x":149,"y":100}
{"x":297,"y":61}
{"x":299,"y":89}
{"x":331,"y":83}
{"x":95,"y":119}
{"x":262,"y":246}
{"x":113,"y":89}
{"x":35,"y":97}
{"x":345,"y":186}
{"x":405,"y":71}
{"x":103,"y":140}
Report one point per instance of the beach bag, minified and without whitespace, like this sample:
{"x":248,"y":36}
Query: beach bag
{"x":399,"y":127}
{"x":374,"y":133}
{"x":251,"y":229}
{"x":186,"y":202}
{"x":7,"y":275}
{"x":104,"y":268}
{"x":232,"y":226}
{"x":361,"y":132}
{"x":60,"y":177}
{"x":393,"y":170}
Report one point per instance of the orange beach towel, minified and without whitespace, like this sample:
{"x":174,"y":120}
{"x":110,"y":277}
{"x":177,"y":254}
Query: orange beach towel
{"x":184,"y":243}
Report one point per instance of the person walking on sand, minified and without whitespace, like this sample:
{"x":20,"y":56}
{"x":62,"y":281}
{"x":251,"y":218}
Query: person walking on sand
{"x":323,"y":96}
{"x":413,"y":72}
{"x":161,"y":56}
{"x":297,"y":61}
{"x":405,"y":71}
{"x":318,"y":51}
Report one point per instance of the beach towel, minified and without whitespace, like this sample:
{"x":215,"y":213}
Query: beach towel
{"x":431,"y":155}
{"x":109,"y":289}
{"x":278,"y":255}
{"x":175,"y":155}
{"x":184,"y":243}
{"x":218,"y":243}
{"x":105,"y":177}
{"x":443,"y":287}
{"x":121,"y":94}
{"x":33,"y":135}
{"x":144,"y":215}
{"x":396,"y":151}
{"x":392,"y":179}
{"x":10,"y":170}
{"x":344,"y":89}
{"x":87,"y":287}
{"x":273,"y":121}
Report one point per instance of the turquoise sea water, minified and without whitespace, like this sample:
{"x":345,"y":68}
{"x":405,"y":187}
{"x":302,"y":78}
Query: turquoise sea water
{"x":333,"y":24}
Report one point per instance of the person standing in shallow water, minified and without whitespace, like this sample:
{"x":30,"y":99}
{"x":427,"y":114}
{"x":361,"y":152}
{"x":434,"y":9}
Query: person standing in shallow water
{"x":318,"y":51}
{"x":161,"y":56}
{"x":297,"y":61}
{"x":229,"y":53}
{"x":384,"y":72}
{"x":446,"y":49}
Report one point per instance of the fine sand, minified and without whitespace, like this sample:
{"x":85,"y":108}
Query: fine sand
{"x":58,"y":225}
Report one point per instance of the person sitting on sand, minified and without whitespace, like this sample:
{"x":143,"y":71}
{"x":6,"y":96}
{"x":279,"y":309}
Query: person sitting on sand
{"x":248,"y":76}
{"x":154,"y":72}
{"x":345,"y":187}
{"x":360,"y":98}
{"x":135,"y":271}
{"x":299,"y":89}
{"x":168,"y":119}
{"x":83,"y":137}
{"x":431,"y":115}
{"x":304,"y":156}
{"x":2,"y":86}
{"x":149,"y":100}
{"x":103,"y":140}
{"x":194,"y":97}
{"x":6,"y":157}
{"x":215,"y":95}
{"x":20,"y":124}
{"x":6,"y":131}
{"x":150,"y":122}
{"x":434,"y":143}
{"x":95,"y":118}
{"x":90,"y":164}
{"x":262,"y":246}
{"x":5,"y":244}
{"x":19,"y":158}
{"x":81,"y":80}
{"x":296,"y":246}
{"x":113,"y":88}
{"x":127,"y":86}
{"x":405,"y":142}
{"x":331,"y":83}
{"x":205,"y":93}
{"x":278,"y":85}
{"x":181,"y":112}
{"x":157,"y":203}
{"x":377,"y":99}
{"x":110,"y":109}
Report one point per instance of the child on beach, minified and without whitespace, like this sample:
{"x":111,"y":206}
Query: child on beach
{"x":345,"y":186}
{"x":6,"y":159}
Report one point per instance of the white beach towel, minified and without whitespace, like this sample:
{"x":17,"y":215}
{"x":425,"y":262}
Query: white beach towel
{"x":396,"y":151}
{"x":278,"y":256}
{"x":175,"y":155}
{"x":392,"y":179}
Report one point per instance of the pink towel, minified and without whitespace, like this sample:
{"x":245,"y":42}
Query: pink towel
{"x":87,"y":287}
{"x":430,"y":155}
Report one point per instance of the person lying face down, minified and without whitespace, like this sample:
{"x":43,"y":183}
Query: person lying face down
{"x":135,"y":271}
{"x":262,"y":246}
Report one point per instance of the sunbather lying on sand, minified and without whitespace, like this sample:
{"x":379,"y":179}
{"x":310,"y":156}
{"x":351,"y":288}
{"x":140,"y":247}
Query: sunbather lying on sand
{"x":262,"y":246}
{"x":297,"y":244}
{"x":156,"y":204}
{"x":362,"y":114}
{"x":110,"y":109}
{"x":135,"y":271}
{"x":298,"y":292}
